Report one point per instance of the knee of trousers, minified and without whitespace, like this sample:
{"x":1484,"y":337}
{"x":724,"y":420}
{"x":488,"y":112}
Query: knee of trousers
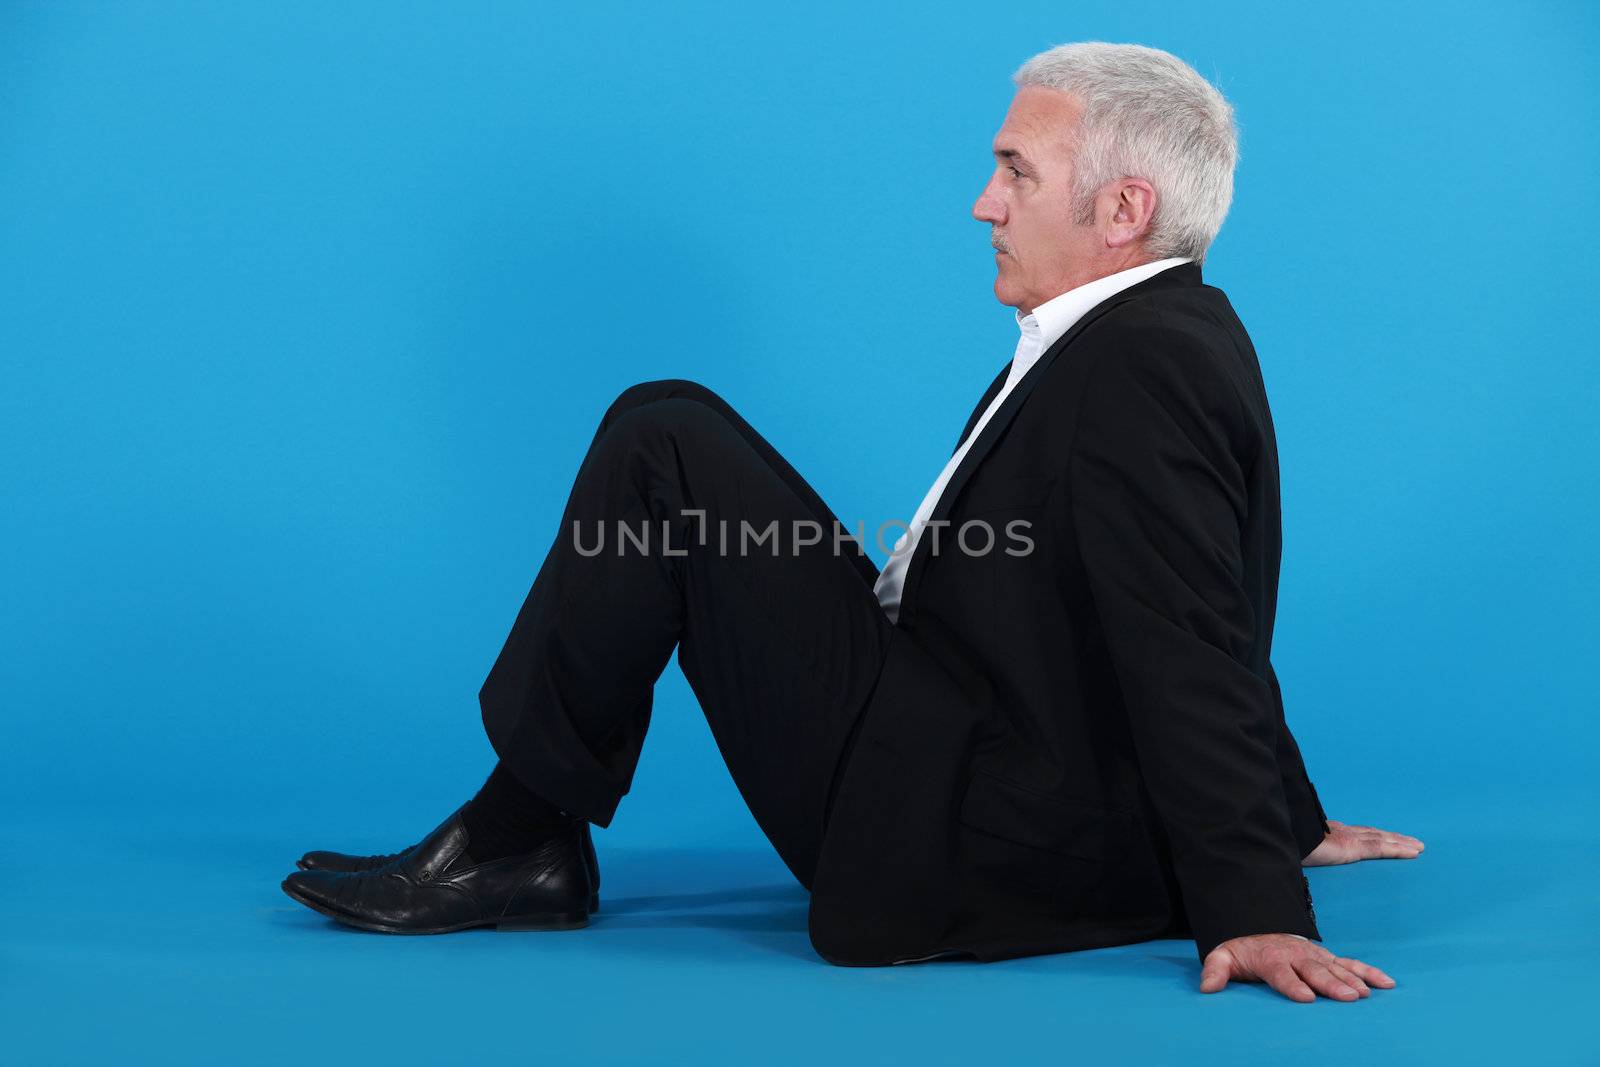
{"x":675,"y":421}
{"x":637,"y":396}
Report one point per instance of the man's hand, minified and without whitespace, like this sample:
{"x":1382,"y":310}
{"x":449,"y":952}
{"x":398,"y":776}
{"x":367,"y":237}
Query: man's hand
{"x":1347,"y":844}
{"x":1295,"y":967}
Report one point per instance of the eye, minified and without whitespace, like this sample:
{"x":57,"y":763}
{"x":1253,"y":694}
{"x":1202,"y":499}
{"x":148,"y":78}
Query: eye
{"x":1015,"y":173}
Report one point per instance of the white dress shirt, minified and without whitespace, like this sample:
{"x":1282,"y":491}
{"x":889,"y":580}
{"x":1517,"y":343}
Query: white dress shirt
{"x":1049,"y":321}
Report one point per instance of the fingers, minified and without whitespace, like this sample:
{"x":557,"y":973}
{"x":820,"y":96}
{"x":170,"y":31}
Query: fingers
{"x":1320,"y":977}
{"x":1372,"y":843}
{"x":1284,"y":979}
{"x":1368,"y":973}
{"x":1407,"y":841}
{"x":1399,"y":850}
{"x":1347,"y":977}
{"x":1395,"y":847}
{"x":1295,"y":968}
{"x":1386,"y":844}
{"x":1218,"y":968}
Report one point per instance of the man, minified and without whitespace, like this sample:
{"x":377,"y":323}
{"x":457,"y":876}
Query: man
{"x":1070,"y":738}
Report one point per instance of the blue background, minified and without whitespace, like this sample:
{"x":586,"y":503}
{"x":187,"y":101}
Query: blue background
{"x":307,"y":312}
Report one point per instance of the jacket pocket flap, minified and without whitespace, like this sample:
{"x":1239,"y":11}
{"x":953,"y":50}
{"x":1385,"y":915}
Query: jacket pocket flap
{"x":1004,"y":809}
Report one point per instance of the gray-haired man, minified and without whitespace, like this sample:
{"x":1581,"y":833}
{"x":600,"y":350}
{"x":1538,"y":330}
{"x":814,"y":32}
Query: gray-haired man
{"x":984,"y":753}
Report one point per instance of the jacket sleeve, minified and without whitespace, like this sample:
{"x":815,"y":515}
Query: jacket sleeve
{"x":1158,"y":495}
{"x":1309,"y":821}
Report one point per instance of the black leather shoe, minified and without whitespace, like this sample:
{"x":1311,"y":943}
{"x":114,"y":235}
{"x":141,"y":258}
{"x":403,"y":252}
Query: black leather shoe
{"x":434,"y":888}
{"x":344,"y":863}
{"x":340,"y":862}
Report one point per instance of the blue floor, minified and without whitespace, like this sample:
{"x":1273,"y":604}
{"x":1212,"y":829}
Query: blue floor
{"x":187,"y":952}
{"x":309,"y":311}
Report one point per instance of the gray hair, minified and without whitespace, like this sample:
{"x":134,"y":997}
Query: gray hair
{"x":1147,"y":114}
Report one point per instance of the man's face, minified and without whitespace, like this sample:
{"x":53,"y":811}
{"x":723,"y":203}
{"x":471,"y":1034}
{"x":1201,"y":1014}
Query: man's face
{"x":1041,"y":252}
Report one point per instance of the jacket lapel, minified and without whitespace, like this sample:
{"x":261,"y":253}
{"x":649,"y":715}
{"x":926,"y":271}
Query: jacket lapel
{"x":1183,"y":275}
{"x":983,"y":404}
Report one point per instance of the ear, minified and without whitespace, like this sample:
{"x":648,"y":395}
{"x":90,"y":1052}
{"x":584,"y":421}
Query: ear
{"x":1131,"y":207}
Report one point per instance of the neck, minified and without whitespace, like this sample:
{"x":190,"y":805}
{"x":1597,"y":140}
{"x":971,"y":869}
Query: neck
{"x":1102,"y":268}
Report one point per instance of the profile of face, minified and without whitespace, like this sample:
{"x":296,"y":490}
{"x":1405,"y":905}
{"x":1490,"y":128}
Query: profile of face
{"x":1041,"y":247}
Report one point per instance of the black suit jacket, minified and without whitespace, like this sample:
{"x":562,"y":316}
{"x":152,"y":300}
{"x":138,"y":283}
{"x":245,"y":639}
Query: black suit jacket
{"x":1085,"y":745}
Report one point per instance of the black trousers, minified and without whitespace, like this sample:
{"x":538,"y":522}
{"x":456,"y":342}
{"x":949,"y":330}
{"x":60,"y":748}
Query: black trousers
{"x":686,"y":529}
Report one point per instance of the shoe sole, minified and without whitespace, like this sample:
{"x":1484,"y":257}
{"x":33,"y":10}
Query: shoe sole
{"x":574,"y":920}
{"x":594,"y":898}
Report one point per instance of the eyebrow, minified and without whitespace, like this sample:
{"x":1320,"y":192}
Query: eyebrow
{"x":1011,"y":155}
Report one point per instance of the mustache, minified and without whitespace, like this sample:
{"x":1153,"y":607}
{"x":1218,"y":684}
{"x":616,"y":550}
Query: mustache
{"x":1000,"y":243}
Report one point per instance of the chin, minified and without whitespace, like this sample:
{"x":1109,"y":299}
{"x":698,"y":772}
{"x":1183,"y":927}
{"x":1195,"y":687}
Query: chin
{"x":1004,"y":293}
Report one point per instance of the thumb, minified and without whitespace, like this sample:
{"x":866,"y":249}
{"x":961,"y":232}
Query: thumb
{"x":1217,"y":970}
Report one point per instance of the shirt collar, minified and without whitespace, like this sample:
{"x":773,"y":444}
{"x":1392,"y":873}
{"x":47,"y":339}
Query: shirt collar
{"x":1056,"y":316}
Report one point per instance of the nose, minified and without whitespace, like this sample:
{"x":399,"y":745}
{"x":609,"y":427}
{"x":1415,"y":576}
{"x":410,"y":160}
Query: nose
{"x":989,"y":207}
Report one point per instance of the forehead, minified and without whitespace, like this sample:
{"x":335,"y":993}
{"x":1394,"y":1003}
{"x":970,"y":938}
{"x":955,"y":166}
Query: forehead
{"x":1039,"y":123}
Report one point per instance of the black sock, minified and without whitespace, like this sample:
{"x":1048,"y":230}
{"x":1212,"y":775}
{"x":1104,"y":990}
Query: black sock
{"x":507,"y":818}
